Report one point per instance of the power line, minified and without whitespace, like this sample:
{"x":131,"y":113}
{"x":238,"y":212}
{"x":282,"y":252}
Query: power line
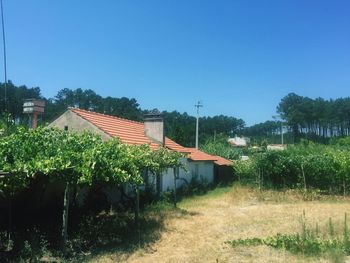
{"x":4,"y":44}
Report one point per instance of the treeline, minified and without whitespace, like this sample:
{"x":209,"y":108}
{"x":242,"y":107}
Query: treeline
{"x":302,"y":117}
{"x":270,"y":131}
{"x":15,"y":97}
{"x":324,"y":118}
{"x":179,"y":126}
{"x":182,"y":127}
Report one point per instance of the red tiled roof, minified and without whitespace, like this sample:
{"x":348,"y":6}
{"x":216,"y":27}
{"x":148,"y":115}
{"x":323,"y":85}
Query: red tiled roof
{"x":133,"y":132}
{"x":197,"y":155}
{"x":130,"y":132}
{"x":222,"y":161}
{"x":175,"y":146}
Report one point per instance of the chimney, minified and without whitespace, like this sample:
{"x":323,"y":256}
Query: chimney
{"x":34,"y":108}
{"x":154,"y":126}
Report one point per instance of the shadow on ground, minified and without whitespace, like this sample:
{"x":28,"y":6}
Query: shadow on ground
{"x":151,"y":225}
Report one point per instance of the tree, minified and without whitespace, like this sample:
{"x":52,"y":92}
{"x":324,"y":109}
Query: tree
{"x":15,"y":98}
{"x":89,"y":100}
{"x":221,"y":147}
{"x":178,"y":126}
{"x":316,"y":117}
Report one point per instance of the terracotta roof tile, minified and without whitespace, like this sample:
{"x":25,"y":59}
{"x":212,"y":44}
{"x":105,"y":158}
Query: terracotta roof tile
{"x":175,"y":146}
{"x":197,"y":155}
{"x":130,"y":132}
{"x":222,"y":161}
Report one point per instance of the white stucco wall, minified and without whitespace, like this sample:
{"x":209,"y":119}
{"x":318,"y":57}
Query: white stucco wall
{"x":76,"y":123}
{"x":203,"y":172}
{"x":168,"y":177}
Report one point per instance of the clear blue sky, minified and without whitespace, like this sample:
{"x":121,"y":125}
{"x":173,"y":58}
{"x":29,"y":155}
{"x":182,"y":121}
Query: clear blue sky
{"x":239,"y":57}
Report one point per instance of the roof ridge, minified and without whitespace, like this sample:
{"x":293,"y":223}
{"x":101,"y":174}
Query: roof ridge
{"x":106,"y":115}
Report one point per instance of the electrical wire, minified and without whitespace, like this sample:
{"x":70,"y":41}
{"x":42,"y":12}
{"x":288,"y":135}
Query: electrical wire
{"x":4,"y":45}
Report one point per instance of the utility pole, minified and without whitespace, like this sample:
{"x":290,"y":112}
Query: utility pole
{"x":198,"y":105}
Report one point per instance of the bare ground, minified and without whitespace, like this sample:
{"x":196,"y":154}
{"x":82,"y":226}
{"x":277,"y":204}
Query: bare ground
{"x":198,"y":232}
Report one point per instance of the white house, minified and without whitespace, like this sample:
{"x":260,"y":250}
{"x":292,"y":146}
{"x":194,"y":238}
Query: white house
{"x":199,"y":164}
{"x":238,"y":141}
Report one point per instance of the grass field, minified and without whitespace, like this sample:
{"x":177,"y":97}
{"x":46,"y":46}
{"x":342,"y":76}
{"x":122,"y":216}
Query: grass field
{"x":197,"y":230}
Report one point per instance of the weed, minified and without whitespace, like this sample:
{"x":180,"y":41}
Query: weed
{"x":308,"y":242}
{"x":336,"y":255}
{"x":346,"y":236}
{"x":331,"y":227}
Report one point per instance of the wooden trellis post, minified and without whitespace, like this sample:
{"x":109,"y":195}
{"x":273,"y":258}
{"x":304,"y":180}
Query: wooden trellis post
{"x":65,"y":212}
{"x":2,"y":176}
{"x":137,"y":213}
{"x":65,"y":217}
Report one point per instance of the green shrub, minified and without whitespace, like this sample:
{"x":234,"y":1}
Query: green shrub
{"x":305,"y":166}
{"x":308,"y":242}
{"x":222,"y":148}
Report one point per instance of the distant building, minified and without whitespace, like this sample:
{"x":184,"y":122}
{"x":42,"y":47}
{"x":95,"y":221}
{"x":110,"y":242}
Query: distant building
{"x":276,"y":147}
{"x":238,"y":141}
{"x":244,"y":158}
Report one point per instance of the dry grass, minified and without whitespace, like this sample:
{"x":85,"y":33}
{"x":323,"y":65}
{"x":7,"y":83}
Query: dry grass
{"x":238,"y":212}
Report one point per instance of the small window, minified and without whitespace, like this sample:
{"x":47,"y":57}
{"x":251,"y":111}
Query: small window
{"x":66,"y":128}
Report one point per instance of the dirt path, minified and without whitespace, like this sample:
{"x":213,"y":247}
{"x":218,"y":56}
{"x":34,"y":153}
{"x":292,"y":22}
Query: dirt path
{"x":200,"y":235}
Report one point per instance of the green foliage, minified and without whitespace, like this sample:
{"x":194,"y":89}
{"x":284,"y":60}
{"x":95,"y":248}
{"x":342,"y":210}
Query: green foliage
{"x":222,"y":148}
{"x":270,"y":131}
{"x":181,"y":127}
{"x":245,"y":171}
{"x":195,"y":188}
{"x":264,"y":144}
{"x":7,"y":125}
{"x":304,"y":166}
{"x":309,"y":245}
{"x":343,"y":141}
{"x":308,"y":242}
{"x":246,"y":242}
{"x":33,"y":247}
{"x":29,"y":245}
{"x":15,"y":97}
{"x":89,"y":100}
{"x":313,"y":119}
{"x":5,"y":243}
{"x":178,"y":126}
{"x":106,"y":228}
{"x":76,"y":158}
{"x":319,"y":117}
{"x":54,"y":153}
